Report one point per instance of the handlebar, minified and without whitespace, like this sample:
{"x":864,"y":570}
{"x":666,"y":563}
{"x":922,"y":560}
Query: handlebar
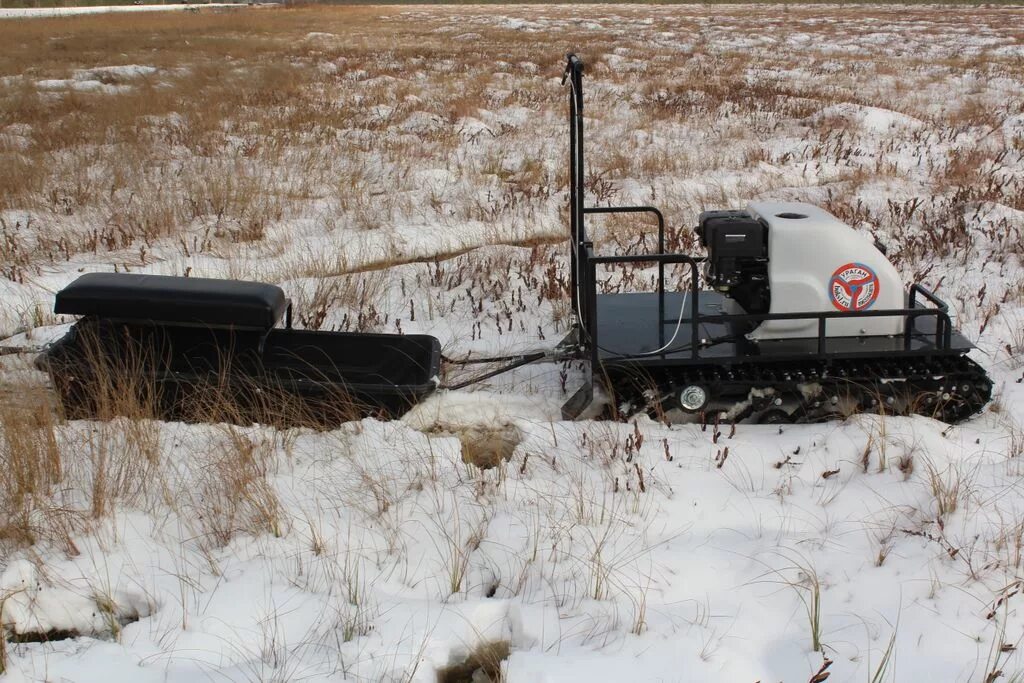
{"x":573,"y":65}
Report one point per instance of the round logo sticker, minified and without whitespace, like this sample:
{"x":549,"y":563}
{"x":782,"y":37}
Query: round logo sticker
{"x":854,"y":287}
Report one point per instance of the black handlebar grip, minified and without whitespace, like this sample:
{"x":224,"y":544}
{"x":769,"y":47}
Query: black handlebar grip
{"x":573,"y":64}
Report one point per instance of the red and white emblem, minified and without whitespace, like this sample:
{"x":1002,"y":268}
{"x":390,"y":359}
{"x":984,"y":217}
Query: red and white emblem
{"x":853,"y":287}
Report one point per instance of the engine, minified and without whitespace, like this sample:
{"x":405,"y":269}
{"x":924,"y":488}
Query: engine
{"x":790,"y":257}
{"x":737,"y":265}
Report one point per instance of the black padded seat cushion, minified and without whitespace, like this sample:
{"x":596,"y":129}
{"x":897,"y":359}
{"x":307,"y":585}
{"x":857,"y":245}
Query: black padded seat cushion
{"x":166,"y":298}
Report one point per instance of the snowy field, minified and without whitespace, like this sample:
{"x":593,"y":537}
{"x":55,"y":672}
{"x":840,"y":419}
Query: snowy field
{"x":44,"y":12}
{"x":402,"y":169}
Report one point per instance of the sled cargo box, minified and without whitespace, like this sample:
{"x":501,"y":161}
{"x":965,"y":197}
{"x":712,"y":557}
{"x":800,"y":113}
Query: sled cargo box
{"x":187,"y":344}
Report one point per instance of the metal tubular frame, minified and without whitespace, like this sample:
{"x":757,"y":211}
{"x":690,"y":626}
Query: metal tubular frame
{"x":577,"y":211}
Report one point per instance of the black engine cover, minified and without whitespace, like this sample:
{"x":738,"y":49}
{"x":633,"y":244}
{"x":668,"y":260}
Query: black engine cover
{"x":737,"y":245}
{"x":733,"y":234}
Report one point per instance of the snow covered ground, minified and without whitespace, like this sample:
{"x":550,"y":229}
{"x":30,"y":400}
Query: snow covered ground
{"x":43,"y":12}
{"x":402,"y":169}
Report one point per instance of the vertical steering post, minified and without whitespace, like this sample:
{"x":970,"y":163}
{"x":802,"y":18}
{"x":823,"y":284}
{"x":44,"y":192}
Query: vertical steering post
{"x":574,"y":76}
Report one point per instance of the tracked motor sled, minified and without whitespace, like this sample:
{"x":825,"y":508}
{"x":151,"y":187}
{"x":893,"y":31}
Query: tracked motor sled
{"x":803,"y":318}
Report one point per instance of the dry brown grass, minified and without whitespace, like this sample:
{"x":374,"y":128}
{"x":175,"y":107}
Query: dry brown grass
{"x":195,"y":145}
{"x":57,"y":480}
{"x":254,"y":117}
{"x":30,"y":466}
{"x":234,"y":495}
{"x":62,"y":478}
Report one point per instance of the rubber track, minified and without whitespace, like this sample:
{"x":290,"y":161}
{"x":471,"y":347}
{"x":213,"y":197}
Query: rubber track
{"x":948,"y":388}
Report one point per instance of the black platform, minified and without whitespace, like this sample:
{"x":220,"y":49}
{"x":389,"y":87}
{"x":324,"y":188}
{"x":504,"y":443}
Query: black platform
{"x":628,"y":325}
{"x":632,"y":326}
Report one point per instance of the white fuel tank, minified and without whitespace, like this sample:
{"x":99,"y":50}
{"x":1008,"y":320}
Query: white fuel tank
{"x":818,"y":263}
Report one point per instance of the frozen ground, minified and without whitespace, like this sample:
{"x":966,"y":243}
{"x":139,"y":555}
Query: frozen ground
{"x":42,"y":12}
{"x":402,"y":169}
